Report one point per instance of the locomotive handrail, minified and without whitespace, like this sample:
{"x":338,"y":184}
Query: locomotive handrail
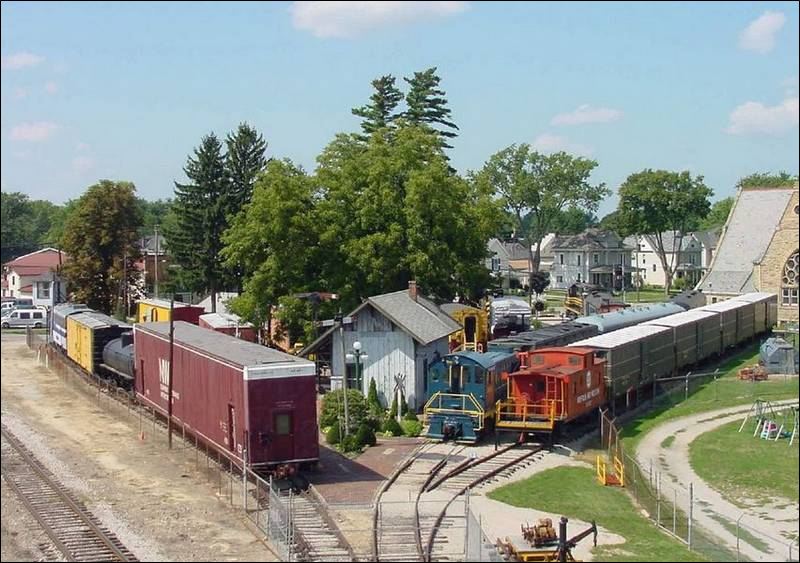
{"x":436,"y":398}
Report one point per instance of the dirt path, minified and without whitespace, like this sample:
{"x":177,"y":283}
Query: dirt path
{"x":673,"y":461}
{"x":157,"y":501}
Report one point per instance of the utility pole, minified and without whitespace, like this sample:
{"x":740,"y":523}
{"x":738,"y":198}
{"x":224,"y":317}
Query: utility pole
{"x":155,"y":263}
{"x":171,"y":357}
{"x":338,"y":318}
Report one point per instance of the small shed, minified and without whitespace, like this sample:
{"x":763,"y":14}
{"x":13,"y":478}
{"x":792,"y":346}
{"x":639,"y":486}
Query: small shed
{"x":230,"y":324}
{"x":401,"y":333}
{"x":779,"y":356}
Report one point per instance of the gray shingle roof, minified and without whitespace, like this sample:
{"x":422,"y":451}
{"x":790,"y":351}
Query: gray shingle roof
{"x":751,"y":224}
{"x":590,"y":239}
{"x":422,"y":319}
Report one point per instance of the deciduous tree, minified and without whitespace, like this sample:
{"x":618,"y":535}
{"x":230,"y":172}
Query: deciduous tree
{"x":663,"y":204}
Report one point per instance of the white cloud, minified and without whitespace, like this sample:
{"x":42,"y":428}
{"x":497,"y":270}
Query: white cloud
{"x":51,"y":87}
{"x":82,"y":164}
{"x":756,"y":118}
{"x":82,"y":146}
{"x":549,"y":143}
{"x":19,"y":60}
{"x":349,"y":19}
{"x":38,"y":131}
{"x":20,"y":93}
{"x":587,"y":114}
{"x":759,"y":36}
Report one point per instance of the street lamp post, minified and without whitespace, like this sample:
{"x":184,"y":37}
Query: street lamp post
{"x":357,"y":356}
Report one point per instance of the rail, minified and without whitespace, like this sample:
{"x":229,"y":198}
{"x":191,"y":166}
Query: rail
{"x":75,"y":531}
{"x":475,"y":410}
{"x":527,"y":416}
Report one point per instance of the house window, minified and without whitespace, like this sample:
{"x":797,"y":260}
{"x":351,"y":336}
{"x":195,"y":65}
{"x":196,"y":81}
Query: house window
{"x":43,"y":290}
{"x":579,"y":277}
{"x":644,"y":259}
{"x":654,"y":267}
{"x":579,"y":259}
{"x":790,"y":280}
{"x":495,"y":264}
{"x":14,"y":280}
{"x":595,"y":258}
{"x":560,"y":259}
{"x":559,"y":279}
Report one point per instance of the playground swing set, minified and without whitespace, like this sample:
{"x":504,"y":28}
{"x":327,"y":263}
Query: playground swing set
{"x":773,"y":422}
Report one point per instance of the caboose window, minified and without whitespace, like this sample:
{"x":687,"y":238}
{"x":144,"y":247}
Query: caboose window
{"x":574,"y":361}
{"x":538,"y":359}
{"x":540,"y":386}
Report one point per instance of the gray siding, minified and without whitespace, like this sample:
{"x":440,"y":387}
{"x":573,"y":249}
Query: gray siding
{"x":431,"y":352}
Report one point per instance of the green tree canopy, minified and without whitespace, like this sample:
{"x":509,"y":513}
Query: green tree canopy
{"x":100,"y":238}
{"x":380,"y":112}
{"x":767,"y":180}
{"x":26,"y":224}
{"x":274,"y":240}
{"x":718,"y":215}
{"x":536,"y":189}
{"x":660,"y":202}
{"x":245,"y":160}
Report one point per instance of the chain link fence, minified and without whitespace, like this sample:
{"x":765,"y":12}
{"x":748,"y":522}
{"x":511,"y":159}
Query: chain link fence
{"x":676,"y":509}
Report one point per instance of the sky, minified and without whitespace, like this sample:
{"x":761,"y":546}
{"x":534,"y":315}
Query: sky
{"x":125,"y":91}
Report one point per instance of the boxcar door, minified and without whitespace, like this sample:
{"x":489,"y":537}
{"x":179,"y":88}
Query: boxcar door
{"x":282,"y":446}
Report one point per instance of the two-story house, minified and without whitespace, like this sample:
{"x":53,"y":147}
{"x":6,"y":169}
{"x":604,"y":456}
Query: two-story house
{"x":696,"y":252}
{"x":510,"y":260}
{"x":593,"y":256}
{"x":36,"y":276}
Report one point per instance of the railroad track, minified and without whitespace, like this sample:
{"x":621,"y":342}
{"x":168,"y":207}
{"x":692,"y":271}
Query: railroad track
{"x":456,"y":482}
{"x":74,"y":531}
{"x":397,"y":530}
{"x":316,"y":535}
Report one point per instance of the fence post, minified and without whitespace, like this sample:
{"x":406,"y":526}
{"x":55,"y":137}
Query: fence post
{"x":635,"y":486}
{"x":466,"y":528}
{"x":686,"y":386}
{"x":658,"y":499}
{"x":244,"y":480}
{"x":691,"y":513}
{"x":675,"y":511}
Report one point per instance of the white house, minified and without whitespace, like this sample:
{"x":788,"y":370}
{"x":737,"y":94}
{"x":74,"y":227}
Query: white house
{"x":593,"y":256}
{"x":36,"y":276}
{"x":697,"y":249}
{"x":400,"y":332}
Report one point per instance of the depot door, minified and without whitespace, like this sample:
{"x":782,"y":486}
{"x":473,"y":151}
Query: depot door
{"x":282,"y":446}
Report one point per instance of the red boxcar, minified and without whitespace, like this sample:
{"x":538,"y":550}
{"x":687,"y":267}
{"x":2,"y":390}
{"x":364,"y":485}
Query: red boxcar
{"x":235,"y":395}
{"x":229,"y":324}
{"x":554,"y":385}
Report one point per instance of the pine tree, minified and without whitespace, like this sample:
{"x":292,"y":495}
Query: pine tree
{"x":380,"y":112}
{"x":427,"y":104}
{"x":245,"y":161}
{"x":200,"y":208}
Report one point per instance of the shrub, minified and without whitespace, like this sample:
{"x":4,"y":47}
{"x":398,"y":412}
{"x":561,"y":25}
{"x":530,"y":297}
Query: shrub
{"x":373,"y":402}
{"x":333,"y":435}
{"x":410,"y":415}
{"x":333,"y":407}
{"x":374,"y":422}
{"x":411,"y":428}
{"x":403,"y":406}
{"x":350,"y":443}
{"x":391,"y":426}
{"x":365,"y":436}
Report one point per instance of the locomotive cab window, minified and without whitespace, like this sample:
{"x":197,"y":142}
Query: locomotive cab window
{"x":478,"y":376}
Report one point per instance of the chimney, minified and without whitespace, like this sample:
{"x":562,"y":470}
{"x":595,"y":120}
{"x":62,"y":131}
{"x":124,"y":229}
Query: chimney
{"x":412,"y":289}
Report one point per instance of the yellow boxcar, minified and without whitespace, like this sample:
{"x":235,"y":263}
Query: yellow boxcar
{"x":87,"y":335}
{"x":157,"y":310}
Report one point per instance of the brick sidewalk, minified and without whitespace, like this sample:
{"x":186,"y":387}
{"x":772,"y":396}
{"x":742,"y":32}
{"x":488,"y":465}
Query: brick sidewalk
{"x":342,"y":480}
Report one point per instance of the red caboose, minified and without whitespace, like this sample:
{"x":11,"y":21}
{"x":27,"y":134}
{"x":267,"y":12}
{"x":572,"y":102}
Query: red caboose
{"x":553,"y":386}
{"x":251,"y":403}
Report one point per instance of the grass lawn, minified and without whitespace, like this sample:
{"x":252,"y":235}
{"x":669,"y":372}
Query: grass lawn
{"x":726,"y":391}
{"x":575,"y":493}
{"x":737,"y":464}
{"x":645,"y":296}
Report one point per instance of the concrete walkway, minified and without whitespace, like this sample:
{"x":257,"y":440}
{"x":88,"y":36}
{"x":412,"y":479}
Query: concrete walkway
{"x":673,"y":461}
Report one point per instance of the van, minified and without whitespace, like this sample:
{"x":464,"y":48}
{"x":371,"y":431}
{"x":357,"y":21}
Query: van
{"x":37,"y":318}
{"x":11,"y":303}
